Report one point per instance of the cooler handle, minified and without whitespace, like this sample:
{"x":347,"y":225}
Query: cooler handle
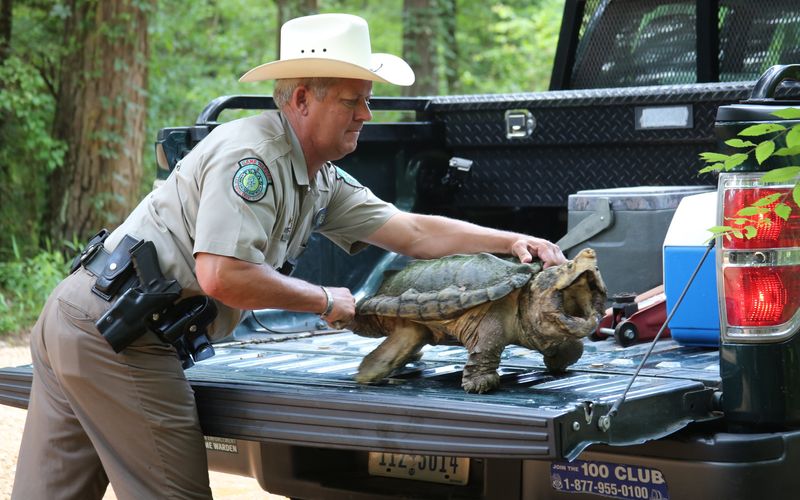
{"x":774,"y":76}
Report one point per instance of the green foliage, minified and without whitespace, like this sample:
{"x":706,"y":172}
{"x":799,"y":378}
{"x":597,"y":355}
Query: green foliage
{"x":25,"y":283}
{"x":507,"y":46}
{"x":28,"y":150}
{"x":759,"y":214}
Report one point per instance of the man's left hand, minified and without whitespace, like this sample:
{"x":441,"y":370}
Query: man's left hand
{"x":525,"y":249}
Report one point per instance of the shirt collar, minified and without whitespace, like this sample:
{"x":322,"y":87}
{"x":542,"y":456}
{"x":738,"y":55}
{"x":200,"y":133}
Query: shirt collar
{"x":298,"y":160}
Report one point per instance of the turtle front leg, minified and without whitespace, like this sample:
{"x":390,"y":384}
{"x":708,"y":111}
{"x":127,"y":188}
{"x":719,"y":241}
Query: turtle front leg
{"x":564,"y":354}
{"x":400,"y":346}
{"x":480,"y":372}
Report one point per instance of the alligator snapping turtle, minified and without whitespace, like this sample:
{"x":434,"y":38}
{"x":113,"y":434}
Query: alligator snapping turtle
{"x":485,"y":303}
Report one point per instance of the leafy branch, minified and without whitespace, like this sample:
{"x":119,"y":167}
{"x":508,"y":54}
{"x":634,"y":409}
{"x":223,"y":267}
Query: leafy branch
{"x":757,"y":215}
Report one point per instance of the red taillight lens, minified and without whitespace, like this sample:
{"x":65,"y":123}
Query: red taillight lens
{"x":761,"y":296}
{"x":779,"y":234}
{"x":760,"y":276}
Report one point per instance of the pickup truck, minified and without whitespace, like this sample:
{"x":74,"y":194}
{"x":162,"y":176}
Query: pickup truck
{"x":637,"y":90}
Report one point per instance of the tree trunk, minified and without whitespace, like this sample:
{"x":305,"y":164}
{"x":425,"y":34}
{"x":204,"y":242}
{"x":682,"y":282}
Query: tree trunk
{"x":450,"y":51}
{"x":100,"y":114}
{"x":420,"y":19}
{"x":5,"y":29}
{"x":289,"y":9}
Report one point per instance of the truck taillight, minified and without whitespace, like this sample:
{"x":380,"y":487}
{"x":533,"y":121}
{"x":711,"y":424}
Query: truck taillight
{"x":779,"y":233}
{"x":761,"y":296}
{"x":758,"y":277}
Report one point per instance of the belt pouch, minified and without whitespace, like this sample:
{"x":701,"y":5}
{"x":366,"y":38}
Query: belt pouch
{"x":117,"y":271}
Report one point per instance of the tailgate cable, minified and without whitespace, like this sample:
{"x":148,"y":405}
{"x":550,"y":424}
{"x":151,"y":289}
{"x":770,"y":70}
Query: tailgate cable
{"x":604,"y":422}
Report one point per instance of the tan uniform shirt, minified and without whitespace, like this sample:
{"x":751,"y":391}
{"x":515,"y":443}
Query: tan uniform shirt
{"x":244,"y":192}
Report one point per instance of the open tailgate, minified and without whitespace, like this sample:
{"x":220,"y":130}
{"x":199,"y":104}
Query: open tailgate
{"x":300,"y":391}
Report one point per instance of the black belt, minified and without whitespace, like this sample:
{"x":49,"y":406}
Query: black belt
{"x":96,"y":263}
{"x":114,"y":271}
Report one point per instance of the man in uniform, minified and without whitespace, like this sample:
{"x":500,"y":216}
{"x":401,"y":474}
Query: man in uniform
{"x":240,"y":204}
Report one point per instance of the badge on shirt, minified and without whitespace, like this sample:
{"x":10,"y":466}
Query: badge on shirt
{"x":347,"y":178}
{"x":319,"y":218}
{"x":252,"y":179}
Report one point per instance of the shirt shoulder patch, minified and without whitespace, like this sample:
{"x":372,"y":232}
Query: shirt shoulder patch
{"x":252,"y":179}
{"x":341,"y":175}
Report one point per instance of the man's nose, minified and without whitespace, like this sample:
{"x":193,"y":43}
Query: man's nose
{"x":363,"y":112}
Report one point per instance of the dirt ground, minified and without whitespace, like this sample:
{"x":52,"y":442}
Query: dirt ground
{"x":12,"y":421}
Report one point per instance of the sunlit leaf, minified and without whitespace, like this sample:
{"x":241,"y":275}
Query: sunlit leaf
{"x":784,"y":174}
{"x":737,"y":233}
{"x":735,"y":160}
{"x":750,"y":232}
{"x":783,"y":211}
{"x":796,"y":194}
{"x":712,"y":157}
{"x":738,"y":143}
{"x":752,"y":211}
{"x":793,"y":151}
{"x":766,"y":200}
{"x":761,"y":129}
{"x":712,"y":168}
{"x":764,"y":150}
{"x":720,"y":229}
{"x":793,"y":137}
{"x":787,"y":114}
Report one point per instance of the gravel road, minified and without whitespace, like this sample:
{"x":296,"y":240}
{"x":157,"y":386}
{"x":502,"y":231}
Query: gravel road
{"x":12,"y":421}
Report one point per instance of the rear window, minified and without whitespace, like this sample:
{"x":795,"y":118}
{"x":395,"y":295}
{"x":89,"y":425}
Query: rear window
{"x":629,"y":43}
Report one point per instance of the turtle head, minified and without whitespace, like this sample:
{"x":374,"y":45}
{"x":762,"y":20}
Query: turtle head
{"x":564,"y":302}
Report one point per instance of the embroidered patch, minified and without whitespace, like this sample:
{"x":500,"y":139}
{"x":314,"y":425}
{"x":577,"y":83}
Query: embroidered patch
{"x":319,"y":218}
{"x":252,"y":179}
{"x":349,"y":179}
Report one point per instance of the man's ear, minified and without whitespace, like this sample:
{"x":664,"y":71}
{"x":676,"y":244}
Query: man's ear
{"x":300,"y":98}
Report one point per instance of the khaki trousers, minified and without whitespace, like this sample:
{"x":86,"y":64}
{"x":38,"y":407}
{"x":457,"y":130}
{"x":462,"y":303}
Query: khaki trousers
{"x":96,"y":415}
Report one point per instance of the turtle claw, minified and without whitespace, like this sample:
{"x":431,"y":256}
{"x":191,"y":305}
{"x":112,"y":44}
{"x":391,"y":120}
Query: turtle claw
{"x":480,"y":382}
{"x":370,"y":372}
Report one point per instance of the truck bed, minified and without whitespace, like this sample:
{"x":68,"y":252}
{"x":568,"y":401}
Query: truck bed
{"x":298,"y":389}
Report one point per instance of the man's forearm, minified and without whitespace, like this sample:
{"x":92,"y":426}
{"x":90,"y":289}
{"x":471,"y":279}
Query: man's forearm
{"x":426,"y":236}
{"x":244,"y":285}
{"x":440,"y":236}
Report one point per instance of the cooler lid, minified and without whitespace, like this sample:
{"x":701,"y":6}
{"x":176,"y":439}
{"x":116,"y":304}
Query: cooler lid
{"x":694,"y":215}
{"x":634,"y":198}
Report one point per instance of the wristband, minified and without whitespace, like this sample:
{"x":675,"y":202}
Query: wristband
{"x":329,"y":305}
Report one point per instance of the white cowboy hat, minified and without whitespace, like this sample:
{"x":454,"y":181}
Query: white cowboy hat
{"x":331,"y":45}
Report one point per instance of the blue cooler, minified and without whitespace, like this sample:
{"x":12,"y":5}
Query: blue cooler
{"x":696,"y":322}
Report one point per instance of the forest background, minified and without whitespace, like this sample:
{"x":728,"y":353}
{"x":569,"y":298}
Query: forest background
{"x":86,"y":84}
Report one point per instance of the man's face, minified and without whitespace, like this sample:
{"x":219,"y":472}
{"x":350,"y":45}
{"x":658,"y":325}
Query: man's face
{"x":337,"y":119}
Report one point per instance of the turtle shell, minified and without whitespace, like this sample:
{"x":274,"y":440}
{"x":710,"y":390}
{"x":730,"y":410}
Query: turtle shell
{"x":444,"y":288}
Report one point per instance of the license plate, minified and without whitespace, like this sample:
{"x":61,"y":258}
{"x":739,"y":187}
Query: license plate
{"x":434,"y":468}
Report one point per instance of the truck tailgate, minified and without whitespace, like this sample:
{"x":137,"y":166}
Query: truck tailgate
{"x":299,"y":390}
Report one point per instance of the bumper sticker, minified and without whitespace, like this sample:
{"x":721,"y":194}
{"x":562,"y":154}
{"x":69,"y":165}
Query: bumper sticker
{"x":225,"y":445}
{"x":609,"y":480}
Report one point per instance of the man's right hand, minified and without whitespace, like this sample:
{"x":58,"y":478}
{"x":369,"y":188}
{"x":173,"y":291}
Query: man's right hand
{"x":344,"y":307}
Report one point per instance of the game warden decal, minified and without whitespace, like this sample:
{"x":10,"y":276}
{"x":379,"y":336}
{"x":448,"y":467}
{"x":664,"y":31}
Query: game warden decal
{"x":224,"y":445}
{"x":609,"y":480}
{"x":252,"y":179}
